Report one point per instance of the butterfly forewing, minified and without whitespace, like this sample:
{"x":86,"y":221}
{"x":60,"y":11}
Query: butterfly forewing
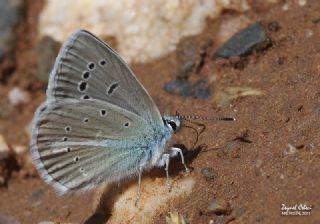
{"x":78,"y":143}
{"x":87,"y":68}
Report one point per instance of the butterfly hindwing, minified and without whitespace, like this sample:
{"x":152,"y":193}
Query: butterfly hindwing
{"x":79,"y":143}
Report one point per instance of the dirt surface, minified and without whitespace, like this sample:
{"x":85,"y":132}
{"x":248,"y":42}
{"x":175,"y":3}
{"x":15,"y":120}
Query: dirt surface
{"x":268,"y":157}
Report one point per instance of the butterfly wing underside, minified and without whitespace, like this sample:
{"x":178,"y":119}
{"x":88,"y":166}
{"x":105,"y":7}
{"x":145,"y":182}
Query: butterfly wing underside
{"x":77,"y":145}
{"x":98,"y":119}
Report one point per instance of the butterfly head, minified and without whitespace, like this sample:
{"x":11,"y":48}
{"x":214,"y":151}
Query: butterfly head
{"x":173,"y":123}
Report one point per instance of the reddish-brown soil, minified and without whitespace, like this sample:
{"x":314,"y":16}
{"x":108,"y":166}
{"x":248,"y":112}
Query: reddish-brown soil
{"x":256,"y":170}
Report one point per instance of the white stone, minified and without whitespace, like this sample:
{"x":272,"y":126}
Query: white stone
{"x":302,"y":2}
{"x":154,"y":200}
{"x":290,"y":150}
{"x":308,"y":33}
{"x":18,"y":96}
{"x":144,"y":30}
{"x":19,"y":149}
{"x":285,"y":7}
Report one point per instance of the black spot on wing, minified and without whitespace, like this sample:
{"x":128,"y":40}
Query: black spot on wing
{"x":112,"y":88}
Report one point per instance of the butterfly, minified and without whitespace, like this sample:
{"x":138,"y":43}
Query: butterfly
{"x":98,"y":123}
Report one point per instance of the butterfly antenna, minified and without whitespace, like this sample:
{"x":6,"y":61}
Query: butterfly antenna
{"x":196,"y":117}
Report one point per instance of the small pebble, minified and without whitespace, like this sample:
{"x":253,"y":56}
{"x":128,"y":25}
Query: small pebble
{"x":220,"y":220}
{"x":201,"y":90}
{"x":238,"y":212}
{"x":36,"y":195}
{"x":219,"y":207}
{"x":4,"y":148}
{"x":18,"y":96}
{"x":5,"y":219}
{"x":209,"y":173}
{"x":285,"y":7}
{"x":273,"y":26}
{"x":302,"y":2}
{"x":290,"y":150}
{"x":175,"y":218}
{"x":179,"y":87}
{"x":2,"y":180}
{"x":258,"y":163}
{"x":19,"y":149}
{"x":308,"y":33}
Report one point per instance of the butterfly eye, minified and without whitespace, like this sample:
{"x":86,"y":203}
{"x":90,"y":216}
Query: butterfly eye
{"x":173,"y":125}
{"x":127,"y":124}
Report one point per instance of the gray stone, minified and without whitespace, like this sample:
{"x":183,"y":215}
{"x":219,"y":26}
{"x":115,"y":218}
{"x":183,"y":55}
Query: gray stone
{"x":10,"y":15}
{"x":219,"y":207}
{"x":209,"y":172}
{"x":18,"y":96}
{"x":179,"y":87}
{"x":5,"y":219}
{"x":36,"y":195}
{"x":238,"y":212}
{"x":201,"y":90}
{"x":198,"y":90}
{"x":252,"y":38}
{"x":220,"y":220}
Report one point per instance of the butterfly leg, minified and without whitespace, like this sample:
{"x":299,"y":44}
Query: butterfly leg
{"x":139,"y":186}
{"x":164,"y":161}
{"x":174,"y":151}
{"x":167,"y":160}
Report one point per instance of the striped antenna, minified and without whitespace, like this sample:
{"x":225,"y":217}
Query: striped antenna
{"x":196,"y":117}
